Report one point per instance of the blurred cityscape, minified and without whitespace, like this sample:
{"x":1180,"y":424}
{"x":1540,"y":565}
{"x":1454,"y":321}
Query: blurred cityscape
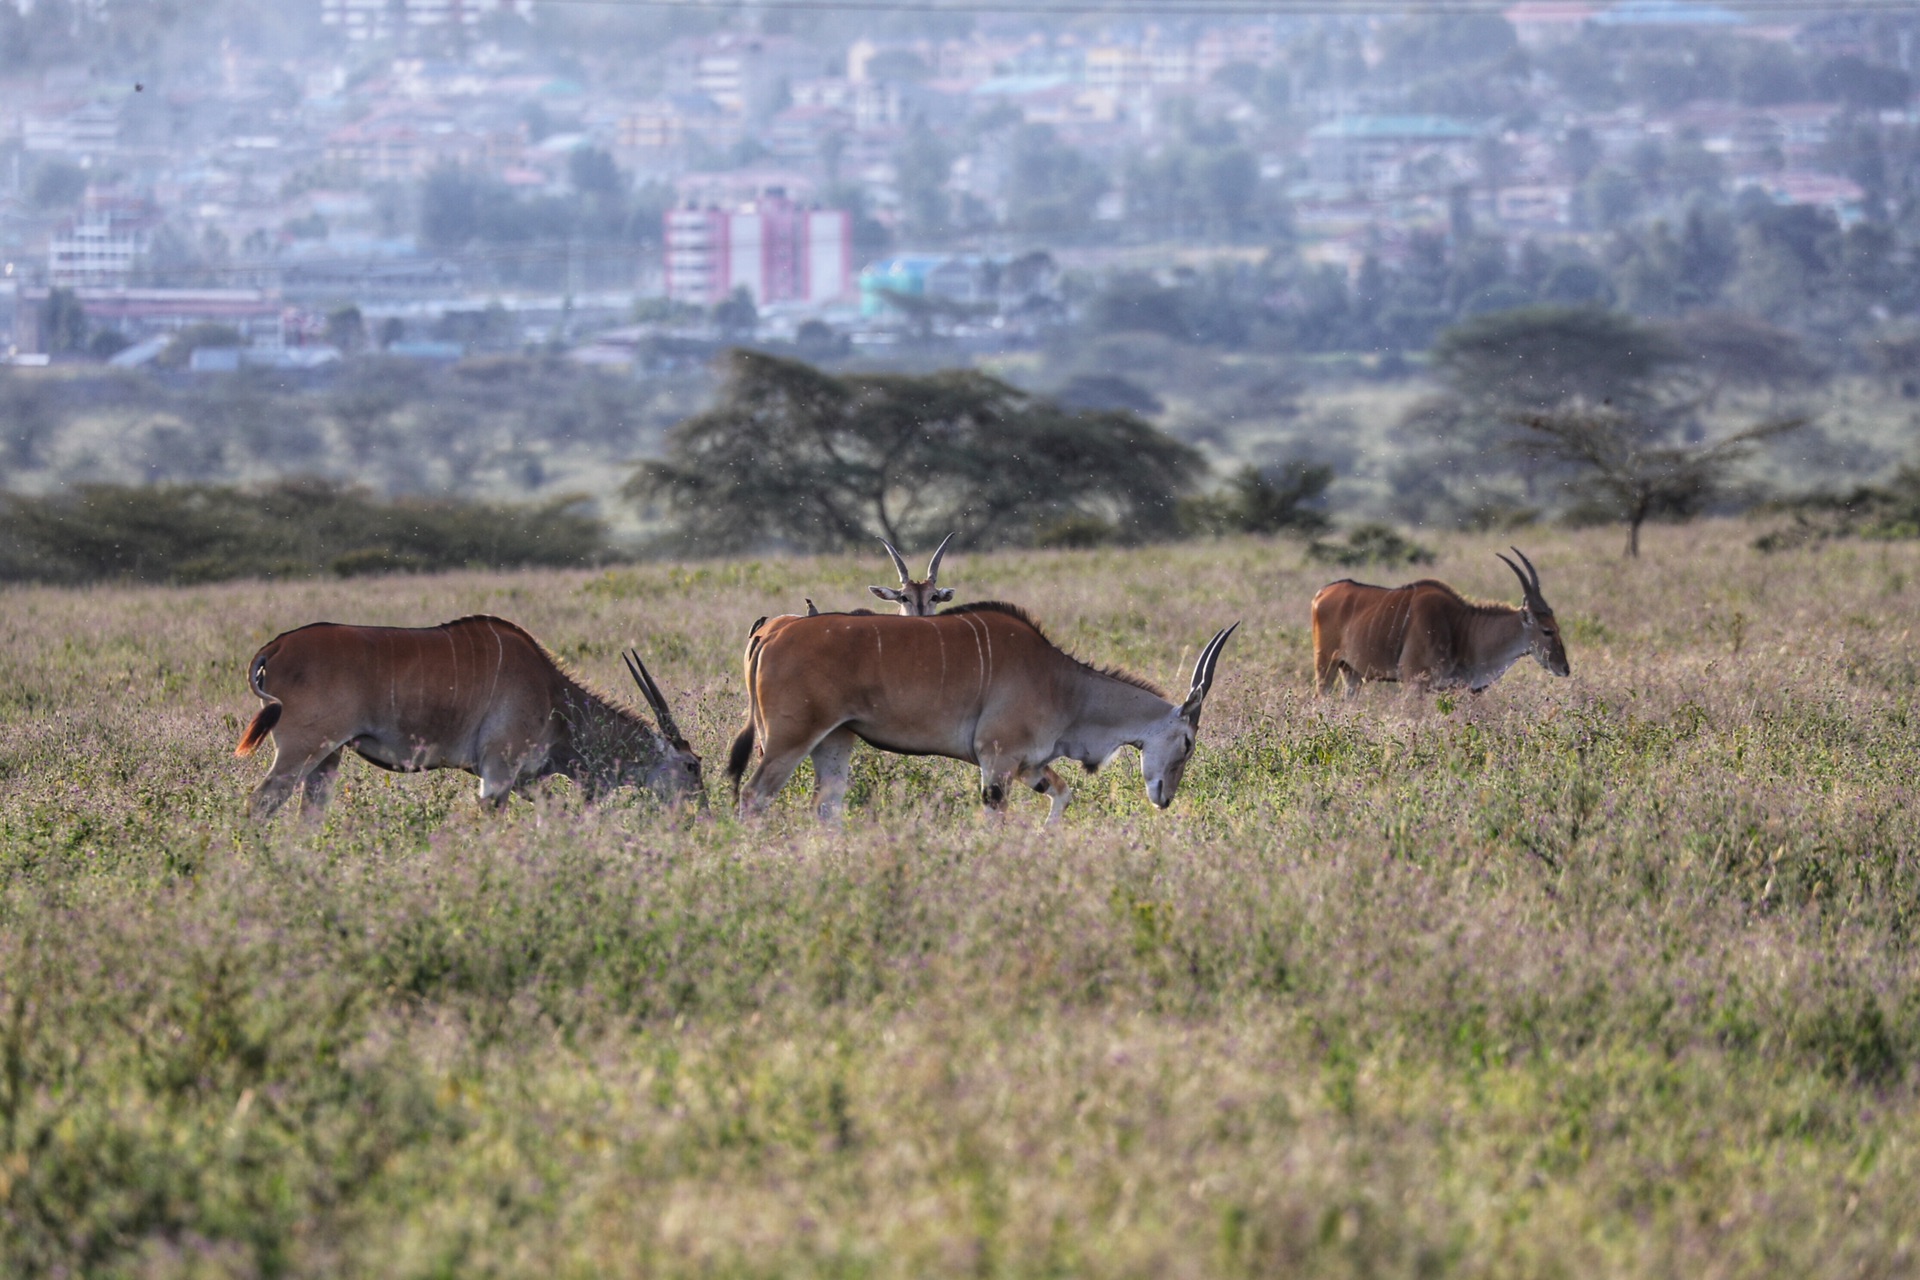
{"x":439,"y":177}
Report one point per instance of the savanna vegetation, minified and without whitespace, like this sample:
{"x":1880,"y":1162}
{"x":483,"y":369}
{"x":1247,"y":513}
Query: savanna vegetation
{"x":206,"y":533}
{"x":1612,"y":975}
{"x":526,"y":428}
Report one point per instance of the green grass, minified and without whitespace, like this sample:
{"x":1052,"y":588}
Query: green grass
{"x":1614,"y":975}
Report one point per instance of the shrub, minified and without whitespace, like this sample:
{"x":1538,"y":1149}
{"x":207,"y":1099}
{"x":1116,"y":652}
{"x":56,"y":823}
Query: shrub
{"x":1278,"y":500}
{"x":1889,"y":513}
{"x":1370,"y":544}
{"x":205,"y":533}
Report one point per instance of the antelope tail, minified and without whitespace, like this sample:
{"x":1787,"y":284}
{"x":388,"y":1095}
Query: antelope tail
{"x":742,"y":752}
{"x":268,"y":716}
{"x":263,"y":723}
{"x":738,"y":757}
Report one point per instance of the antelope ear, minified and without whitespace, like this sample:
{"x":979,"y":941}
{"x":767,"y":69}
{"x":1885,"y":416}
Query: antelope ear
{"x":886,"y":593}
{"x":943,"y":595}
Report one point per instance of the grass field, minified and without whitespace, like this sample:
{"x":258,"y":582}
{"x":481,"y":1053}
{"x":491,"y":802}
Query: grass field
{"x":1613,"y":975}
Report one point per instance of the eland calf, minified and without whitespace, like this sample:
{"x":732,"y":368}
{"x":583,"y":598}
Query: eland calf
{"x":1428,"y":635}
{"x":980,"y":683}
{"x":478,"y":694}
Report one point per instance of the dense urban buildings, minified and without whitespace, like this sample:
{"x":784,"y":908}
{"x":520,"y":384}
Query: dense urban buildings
{"x":569,"y":171}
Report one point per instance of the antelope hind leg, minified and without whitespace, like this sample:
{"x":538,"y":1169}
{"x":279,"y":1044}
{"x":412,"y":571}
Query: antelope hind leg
{"x":288,"y":772}
{"x":498,"y":777}
{"x":776,"y":766}
{"x":1326,"y":669}
{"x":316,"y":790}
{"x":832,"y":757}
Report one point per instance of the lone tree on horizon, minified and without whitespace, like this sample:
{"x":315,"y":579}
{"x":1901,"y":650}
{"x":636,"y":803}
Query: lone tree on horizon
{"x":1628,"y":463}
{"x":792,"y":454}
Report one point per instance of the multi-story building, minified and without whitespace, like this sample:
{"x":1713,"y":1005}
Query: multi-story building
{"x":90,"y":129}
{"x":673,"y":121}
{"x":390,"y":147}
{"x":99,"y":246}
{"x":385,"y":19}
{"x":745,"y":75}
{"x":774,"y":249}
{"x":1373,"y":154}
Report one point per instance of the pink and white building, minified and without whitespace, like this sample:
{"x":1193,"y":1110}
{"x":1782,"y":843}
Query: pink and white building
{"x":774,"y":249}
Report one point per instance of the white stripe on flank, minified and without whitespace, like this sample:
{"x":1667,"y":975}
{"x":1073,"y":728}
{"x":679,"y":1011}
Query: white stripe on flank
{"x":499,"y":661}
{"x":979,"y":652}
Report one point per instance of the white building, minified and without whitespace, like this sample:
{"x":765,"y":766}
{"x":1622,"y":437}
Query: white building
{"x":772,"y":248}
{"x":97,"y":249}
{"x":384,"y":19}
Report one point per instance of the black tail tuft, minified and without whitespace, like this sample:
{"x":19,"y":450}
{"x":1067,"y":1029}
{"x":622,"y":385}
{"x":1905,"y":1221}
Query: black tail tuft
{"x":738,"y":757}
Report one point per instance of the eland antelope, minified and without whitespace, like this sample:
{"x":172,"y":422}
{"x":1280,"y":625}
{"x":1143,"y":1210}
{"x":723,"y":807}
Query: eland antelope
{"x":980,"y":683}
{"x":477,"y":693}
{"x":1428,"y":635}
{"x":915,"y":596}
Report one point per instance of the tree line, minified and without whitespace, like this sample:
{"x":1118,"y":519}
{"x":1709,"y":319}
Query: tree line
{"x":1572,"y":412}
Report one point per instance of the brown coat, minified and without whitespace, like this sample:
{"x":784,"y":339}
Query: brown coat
{"x":478,"y":694}
{"x":1427,"y":635}
{"x":980,"y":683}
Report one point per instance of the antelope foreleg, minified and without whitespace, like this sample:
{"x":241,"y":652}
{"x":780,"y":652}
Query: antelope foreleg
{"x":1051,"y":785}
{"x":997,"y":774}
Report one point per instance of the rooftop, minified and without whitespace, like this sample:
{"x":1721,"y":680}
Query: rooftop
{"x":1429,"y":128}
{"x":1667,"y":13}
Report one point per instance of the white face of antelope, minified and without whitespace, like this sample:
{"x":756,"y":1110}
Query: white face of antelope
{"x":917,"y":597}
{"x":1164,"y":755}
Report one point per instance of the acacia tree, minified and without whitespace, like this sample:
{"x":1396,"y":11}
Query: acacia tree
{"x":1537,"y":357}
{"x":1630,"y":464}
{"x":1609,"y":407}
{"x":791,"y":454}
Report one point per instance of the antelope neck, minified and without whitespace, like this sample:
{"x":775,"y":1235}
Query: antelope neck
{"x":1108,"y":714}
{"x":1500,"y":640}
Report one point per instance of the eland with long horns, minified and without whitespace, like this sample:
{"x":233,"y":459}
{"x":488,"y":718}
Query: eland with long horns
{"x":1428,"y":635}
{"x":478,"y":694}
{"x":980,"y":683}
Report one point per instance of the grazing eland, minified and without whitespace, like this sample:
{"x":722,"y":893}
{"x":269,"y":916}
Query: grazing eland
{"x":980,"y":683}
{"x":478,"y":694}
{"x":1428,"y":635}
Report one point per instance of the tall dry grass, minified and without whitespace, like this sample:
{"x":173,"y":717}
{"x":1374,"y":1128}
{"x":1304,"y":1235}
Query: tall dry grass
{"x":1613,"y":975}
